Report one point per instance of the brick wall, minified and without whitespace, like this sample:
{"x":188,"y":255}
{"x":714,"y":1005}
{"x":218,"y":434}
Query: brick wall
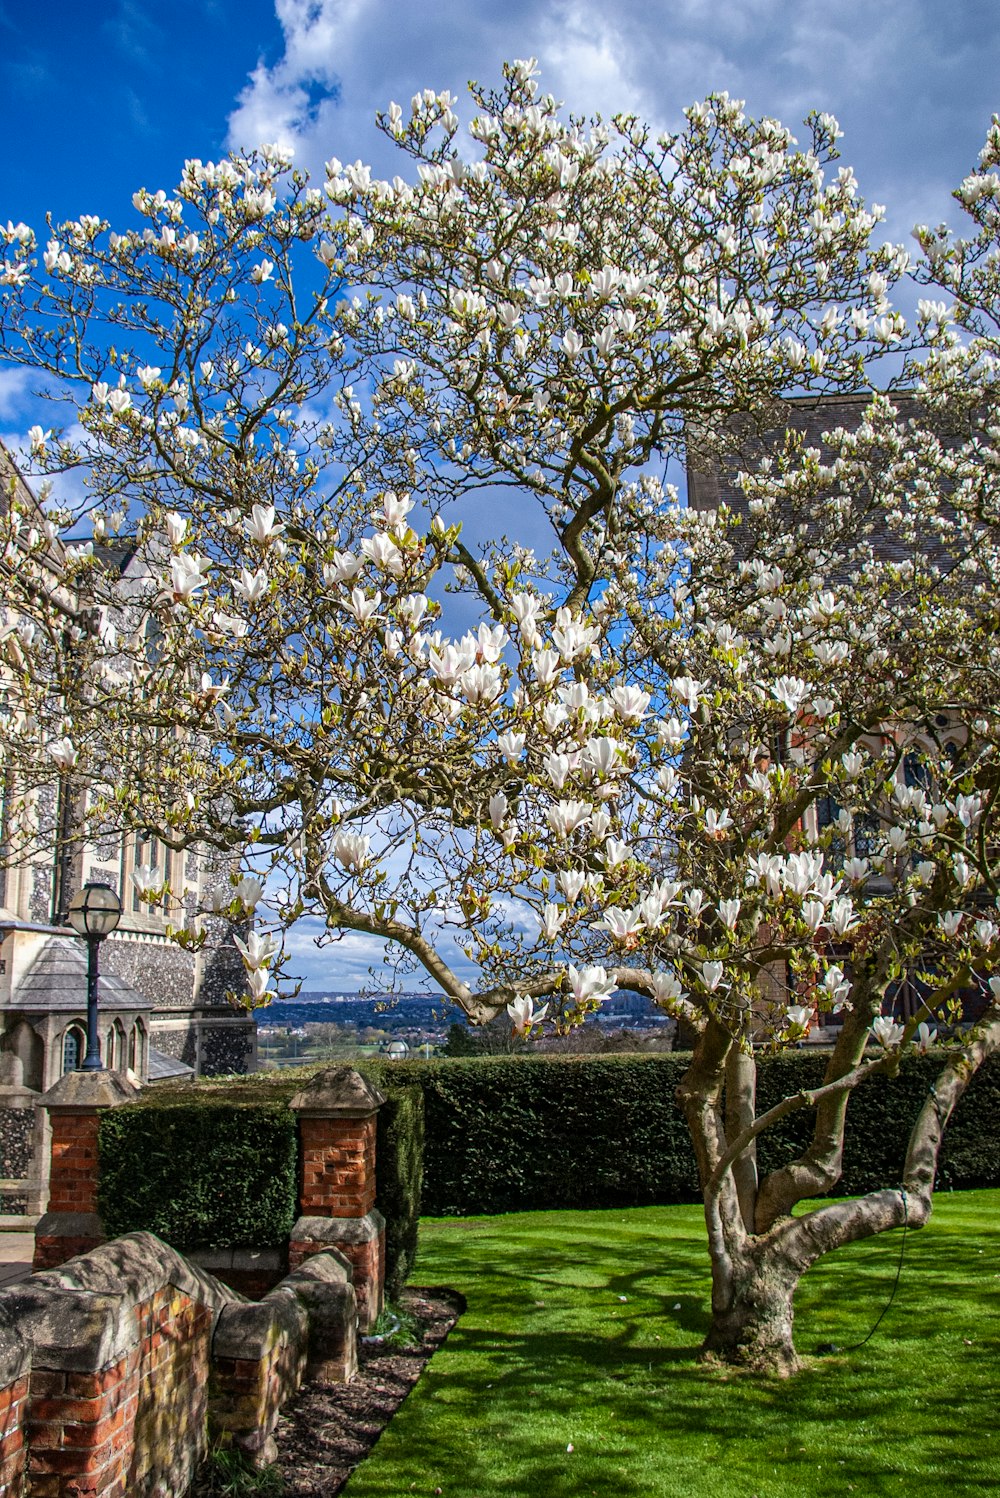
{"x":15,"y":1371}
{"x":114,"y":1368}
{"x":337,"y":1112}
{"x":73,"y":1180}
{"x":131,"y":1425}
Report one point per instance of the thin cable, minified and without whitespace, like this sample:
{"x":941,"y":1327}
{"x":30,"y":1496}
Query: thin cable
{"x":827,"y":1348}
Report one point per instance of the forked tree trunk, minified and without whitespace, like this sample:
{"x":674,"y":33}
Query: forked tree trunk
{"x":753,"y":1287}
{"x":755,"y":1275}
{"x":752,"y":1317}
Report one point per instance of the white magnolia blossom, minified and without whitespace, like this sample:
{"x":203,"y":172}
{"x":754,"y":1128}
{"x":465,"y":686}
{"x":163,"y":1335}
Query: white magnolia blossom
{"x":667,"y":988}
{"x":552,"y":921}
{"x":258,"y":980}
{"x":729,"y":912}
{"x":249,"y":891}
{"x":351,"y":849}
{"x":261,"y":524}
{"x":799,"y":1017}
{"x":571,"y":882}
{"x":567,"y":816}
{"x":187,"y":575}
{"x":524,"y":1014}
{"x":176,"y":528}
{"x":622,"y":924}
{"x":790,"y":691}
{"x":589,"y":983}
{"x":64,"y":752}
{"x":687,"y":691}
{"x":147,"y":879}
{"x":694,"y":899}
{"x":834,"y":988}
{"x":711,"y":974}
{"x":511,"y":746}
{"x":925,"y":1037}
{"x":887,"y":1032}
{"x":257,"y":951}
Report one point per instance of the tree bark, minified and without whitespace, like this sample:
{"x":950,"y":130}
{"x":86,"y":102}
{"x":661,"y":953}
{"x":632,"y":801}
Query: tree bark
{"x":755,"y":1275}
{"x":753,"y":1311}
{"x":741,"y":1103}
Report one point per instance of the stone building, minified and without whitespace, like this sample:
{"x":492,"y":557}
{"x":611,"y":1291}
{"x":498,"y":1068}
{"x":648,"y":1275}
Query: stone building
{"x":714,"y":481}
{"x":163,"y":1010}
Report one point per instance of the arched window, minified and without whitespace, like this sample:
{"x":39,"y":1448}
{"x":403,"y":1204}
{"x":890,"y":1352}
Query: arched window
{"x":915,"y":771}
{"x":954,"y":754}
{"x":135,"y":1049}
{"x":827,"y":812}
{"x":73,"y":1045}
{"x":116,"y":1048}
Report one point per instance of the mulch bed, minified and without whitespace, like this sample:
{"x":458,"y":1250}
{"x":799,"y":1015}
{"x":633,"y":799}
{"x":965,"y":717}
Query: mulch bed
{"x":327,"y":1429}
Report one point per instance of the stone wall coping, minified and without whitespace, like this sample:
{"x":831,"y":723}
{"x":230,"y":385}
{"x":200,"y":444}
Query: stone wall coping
{"x":250,"y":1331}
{"x":322,"y":1285}
{"x":325,"y":1268}
{"x":138,"y":1265}
{"x":334,"y":1230}
{"x":76,"y":1316}
{"x":70,"y":1225}
{"x":70,"y":1330}
{"x":339,"y":1092}
{"x":87,"y":1091}
{"x":15,"y":1351}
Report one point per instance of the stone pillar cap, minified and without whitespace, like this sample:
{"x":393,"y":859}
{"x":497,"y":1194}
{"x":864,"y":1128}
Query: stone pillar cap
{"x":340,"y":1092}
{"x":84,"y":1091}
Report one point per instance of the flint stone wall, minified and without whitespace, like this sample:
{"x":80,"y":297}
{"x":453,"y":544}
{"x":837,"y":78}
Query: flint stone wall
{"x":17,"y":1133}
{"x":23,"y":1141}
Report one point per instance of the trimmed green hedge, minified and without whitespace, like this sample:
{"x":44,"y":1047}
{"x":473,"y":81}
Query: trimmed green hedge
{"x":215,"y":1165}
{"x":515,"y":1133}
{"x":510,"y":1133}
{"x":209,"y":1174}
{"x":399,"y":1168}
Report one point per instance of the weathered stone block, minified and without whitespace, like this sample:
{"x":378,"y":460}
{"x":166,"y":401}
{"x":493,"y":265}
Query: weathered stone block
{"x":361,"y":1241}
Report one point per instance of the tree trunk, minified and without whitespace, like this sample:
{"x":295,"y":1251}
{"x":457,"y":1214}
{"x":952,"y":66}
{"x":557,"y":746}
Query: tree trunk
{"x":755,"y":1274}
{"x":753,"y":1313}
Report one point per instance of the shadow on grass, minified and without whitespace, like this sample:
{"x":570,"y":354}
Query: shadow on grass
{"x":590,"y":1342}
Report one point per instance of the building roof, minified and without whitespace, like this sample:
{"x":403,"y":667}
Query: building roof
{"x":57,"y":980}
{"x":164,"y":1068}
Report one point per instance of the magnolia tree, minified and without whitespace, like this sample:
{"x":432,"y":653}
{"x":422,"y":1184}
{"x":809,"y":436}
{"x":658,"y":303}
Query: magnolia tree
{"x":740,"y":761}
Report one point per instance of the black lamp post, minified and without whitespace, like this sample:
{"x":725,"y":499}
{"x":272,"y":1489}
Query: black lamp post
{"x":94,"y":912}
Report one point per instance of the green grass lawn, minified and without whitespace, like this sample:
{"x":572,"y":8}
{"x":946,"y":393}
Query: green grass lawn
{"x":573,"y":1372}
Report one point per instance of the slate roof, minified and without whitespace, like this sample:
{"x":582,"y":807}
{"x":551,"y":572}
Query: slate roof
{"x":57,"y":980}
{"x":164,"y":1068}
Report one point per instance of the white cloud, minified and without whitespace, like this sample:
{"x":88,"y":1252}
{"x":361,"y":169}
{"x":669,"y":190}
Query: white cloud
{"x":14,"y":391}
{"x":911,"y":87}
{"x":347,"y":963}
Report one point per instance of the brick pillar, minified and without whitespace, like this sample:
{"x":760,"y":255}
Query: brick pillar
{"x":72,"y":1224}
{"x":337,"y":1121}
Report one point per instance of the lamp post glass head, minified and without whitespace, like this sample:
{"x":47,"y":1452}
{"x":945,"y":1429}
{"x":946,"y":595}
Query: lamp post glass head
{"x":94,"y":912}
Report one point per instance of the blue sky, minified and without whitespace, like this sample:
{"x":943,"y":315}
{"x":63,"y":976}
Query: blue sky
{"x":98,"y":99}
